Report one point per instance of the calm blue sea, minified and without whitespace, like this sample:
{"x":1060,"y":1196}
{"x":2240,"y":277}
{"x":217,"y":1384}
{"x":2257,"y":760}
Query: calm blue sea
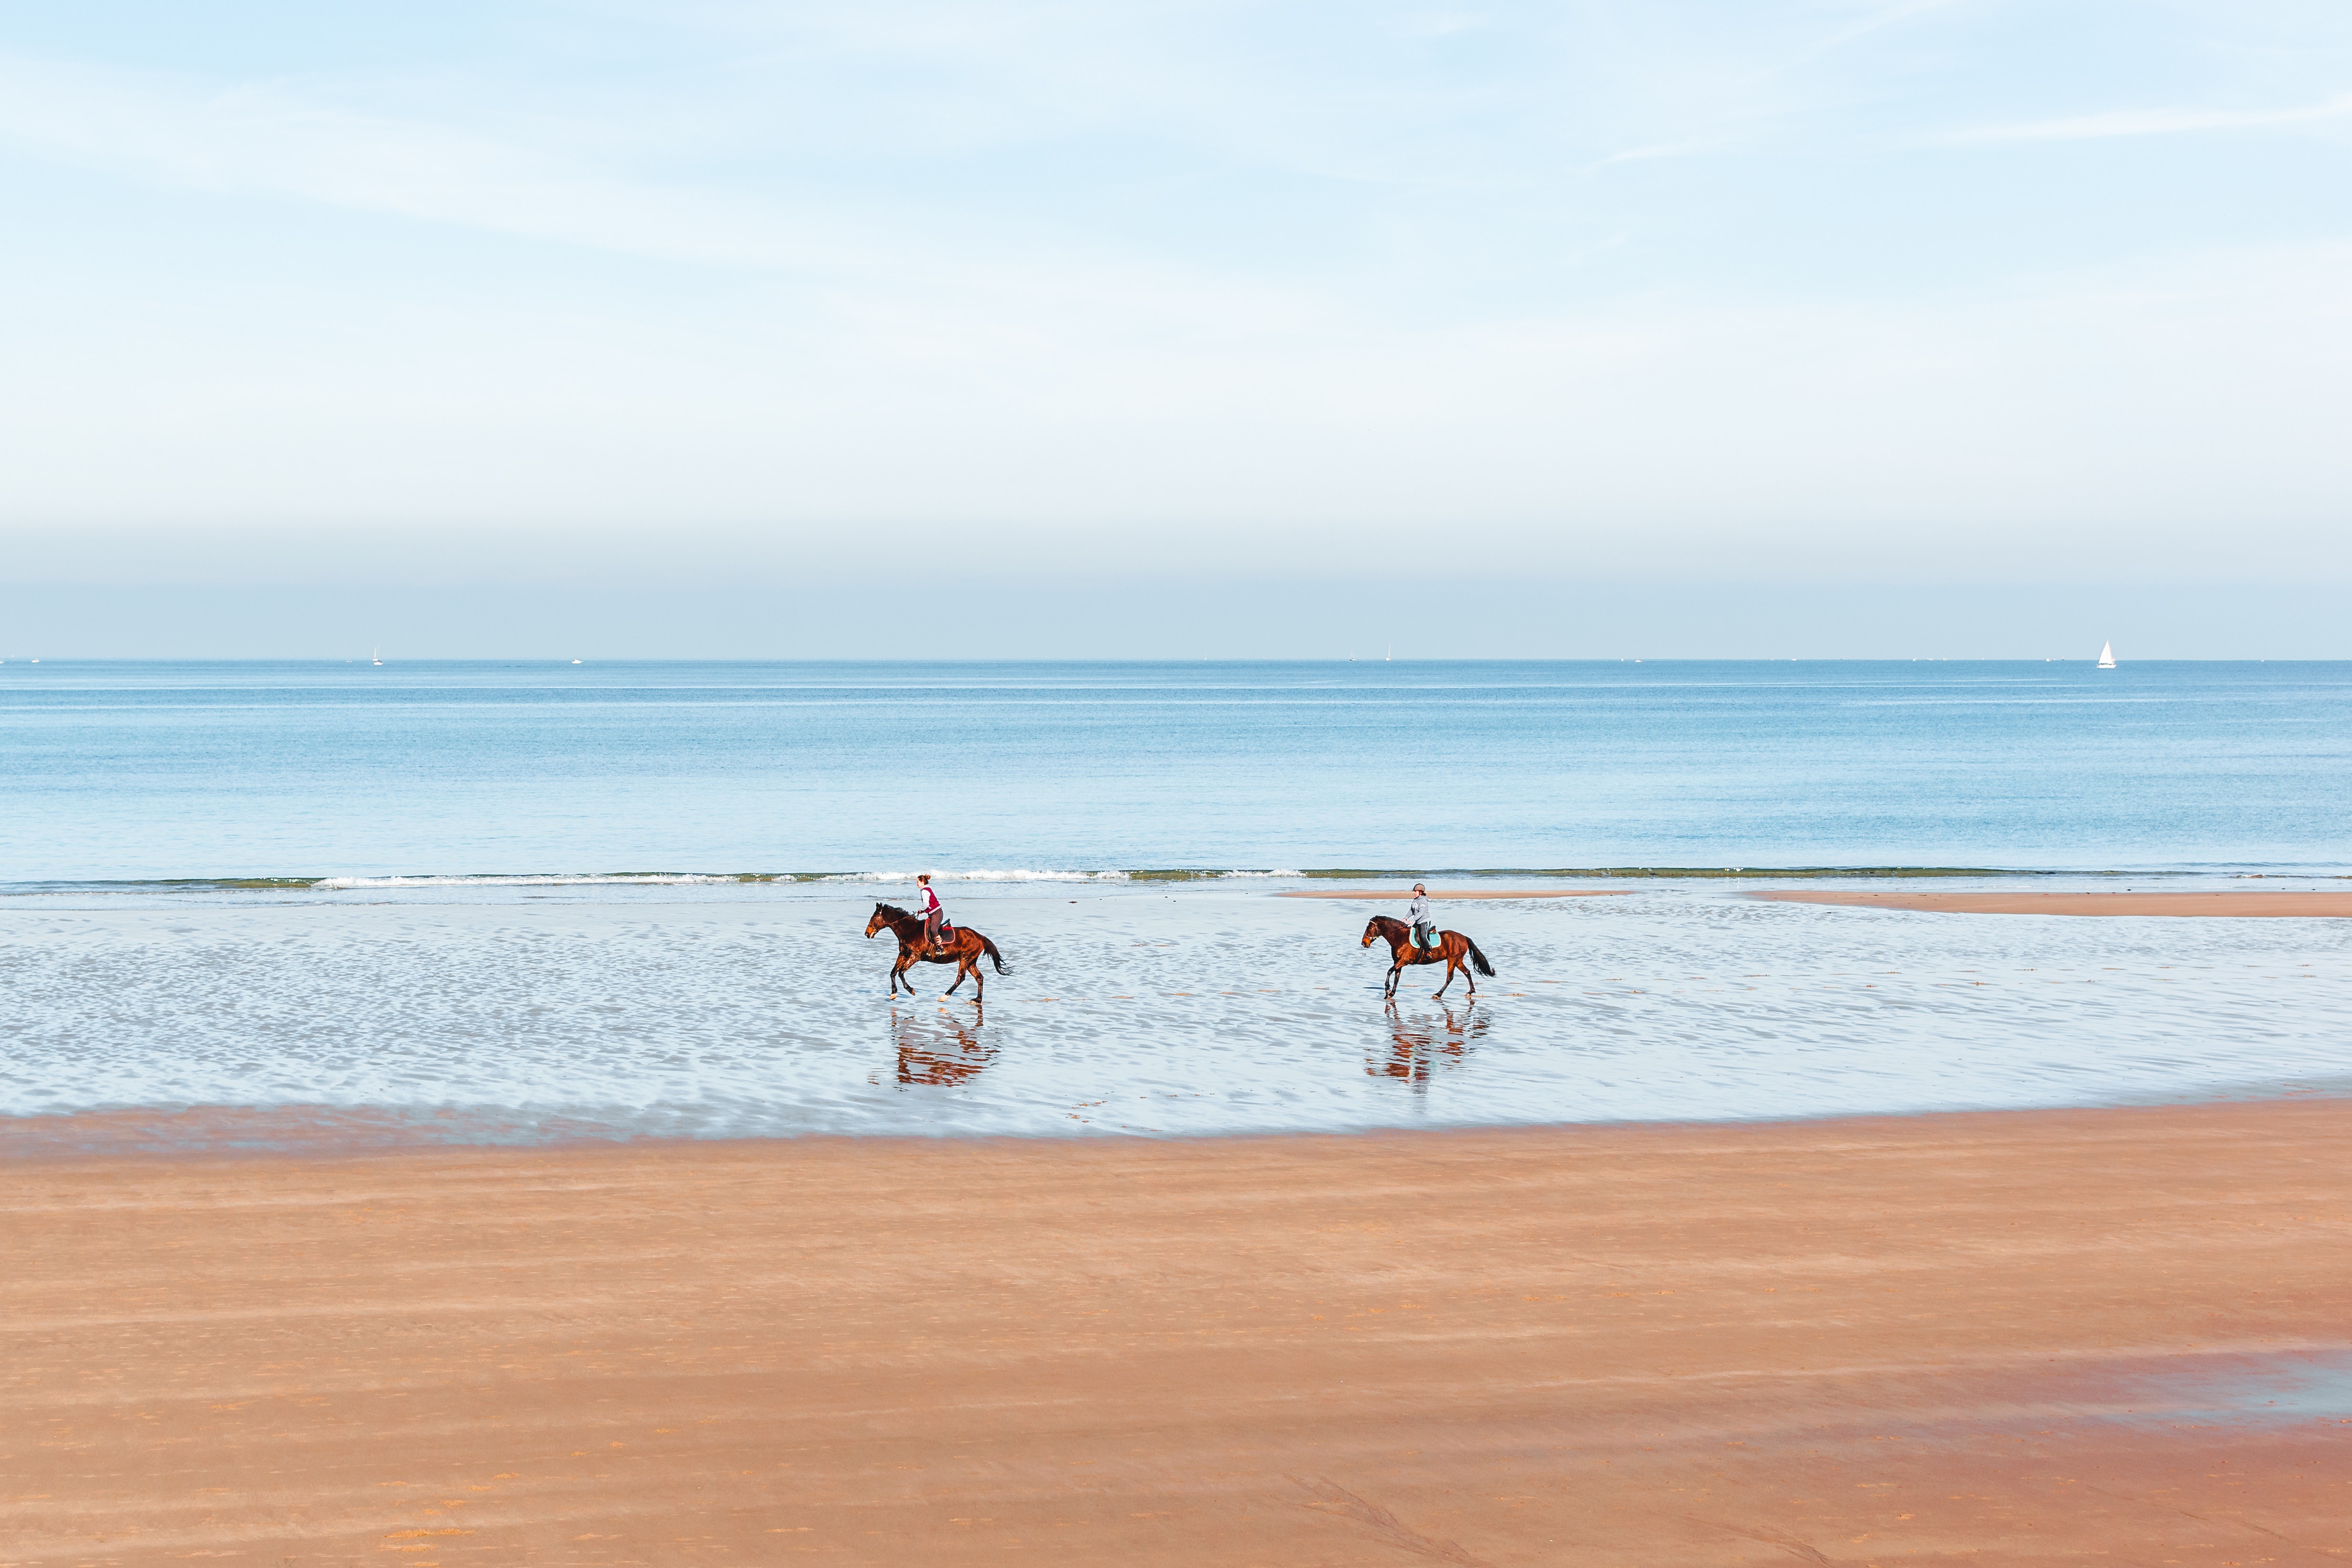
{"x":135,"y":772}
{"x":516,"y":905}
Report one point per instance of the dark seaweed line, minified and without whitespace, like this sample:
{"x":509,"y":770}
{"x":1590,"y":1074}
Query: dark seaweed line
{"x":1142,"y":874}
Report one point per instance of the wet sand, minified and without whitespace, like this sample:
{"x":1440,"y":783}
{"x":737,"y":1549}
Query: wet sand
{"x":2281,"y":904}
{"x":2014,"y":1338}
{"x":1509,"y":893}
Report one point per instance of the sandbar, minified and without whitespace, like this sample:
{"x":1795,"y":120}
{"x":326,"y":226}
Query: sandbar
{"x":1511,"y":893}
{"x":2018,"y":1337}
{"x":2288,"y":905}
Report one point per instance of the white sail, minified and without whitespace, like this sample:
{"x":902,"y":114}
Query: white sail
{"x":2107,"y":656}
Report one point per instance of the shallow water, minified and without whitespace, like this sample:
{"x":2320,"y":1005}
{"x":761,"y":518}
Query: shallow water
{"x":521,"y":1014}
{"x":2280,"y":1387}
{"x":468,"y":965}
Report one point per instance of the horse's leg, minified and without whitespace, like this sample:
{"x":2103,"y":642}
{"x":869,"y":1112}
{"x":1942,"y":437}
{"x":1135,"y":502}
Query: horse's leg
{"x":1469,"y":974}
{"x":979,"y":978}
{"x":1395,"y":970}
{"x":957,"y":981}
{"x":1440,"y":992}
{"x":898,"y":972}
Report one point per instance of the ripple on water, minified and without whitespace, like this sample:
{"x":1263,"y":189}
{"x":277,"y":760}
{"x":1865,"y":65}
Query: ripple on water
{"x":1213,"y":1010}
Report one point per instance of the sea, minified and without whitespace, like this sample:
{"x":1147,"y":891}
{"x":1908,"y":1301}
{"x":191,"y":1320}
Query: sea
{"x":255,"y":903}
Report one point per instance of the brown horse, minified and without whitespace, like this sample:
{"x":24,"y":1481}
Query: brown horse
{"x":1454,"y":950}
{"x":914,"y":948}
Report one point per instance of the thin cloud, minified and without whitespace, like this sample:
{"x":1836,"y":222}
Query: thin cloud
{"x":266,"y":141}
{"x":1693,"y":147}
{"x":258,"y":141}
{"x":1875,"y":21}
{"x":2152,"y":123}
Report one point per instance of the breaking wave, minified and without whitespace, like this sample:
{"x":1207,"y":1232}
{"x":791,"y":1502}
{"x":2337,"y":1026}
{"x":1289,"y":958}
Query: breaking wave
{"x":1140,"y":876}
{"x":1015,"y":875}
{"x":612,"y":879}
{"x":457,"y":882}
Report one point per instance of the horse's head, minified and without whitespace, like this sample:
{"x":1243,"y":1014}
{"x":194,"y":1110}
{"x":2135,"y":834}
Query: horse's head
{"x":885,"y":916}
{"x":1373,"y":931}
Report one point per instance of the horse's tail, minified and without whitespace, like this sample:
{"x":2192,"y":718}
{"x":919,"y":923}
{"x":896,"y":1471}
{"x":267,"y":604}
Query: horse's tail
{"x":1479,"y":958}
{"x":992,"y":953}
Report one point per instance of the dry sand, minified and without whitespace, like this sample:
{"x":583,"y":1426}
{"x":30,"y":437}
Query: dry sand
{"x":1885,"y":1341}
{"x":1509,"y":893}
{"x":2284,"y":904}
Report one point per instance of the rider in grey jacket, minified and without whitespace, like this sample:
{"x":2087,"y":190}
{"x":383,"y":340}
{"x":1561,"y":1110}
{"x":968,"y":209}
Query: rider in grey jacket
{"x":1425,"y":935}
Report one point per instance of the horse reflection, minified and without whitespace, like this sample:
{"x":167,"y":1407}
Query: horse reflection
{"x":940,"y":1050}
{"x":1415,"y":1044}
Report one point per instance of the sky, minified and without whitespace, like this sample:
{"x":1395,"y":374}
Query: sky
{"x":1831,"y":327}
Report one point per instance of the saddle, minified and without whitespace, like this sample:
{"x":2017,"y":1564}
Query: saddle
{"x":947,"y":934}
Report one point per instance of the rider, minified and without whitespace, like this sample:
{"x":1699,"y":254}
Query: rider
{"x":1425,"y":935}
{"x":926,"y":904}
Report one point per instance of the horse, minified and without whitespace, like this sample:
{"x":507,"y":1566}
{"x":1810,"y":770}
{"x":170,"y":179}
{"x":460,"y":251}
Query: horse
{"x":1454,"y":950}
{"x":914,"y":948}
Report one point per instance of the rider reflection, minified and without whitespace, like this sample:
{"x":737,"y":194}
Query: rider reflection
{"x":940,"y":1050}
{"x":1416,"y":1044}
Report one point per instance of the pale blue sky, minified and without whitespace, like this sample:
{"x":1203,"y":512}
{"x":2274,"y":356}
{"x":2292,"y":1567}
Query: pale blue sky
{"x":1156,"y":297}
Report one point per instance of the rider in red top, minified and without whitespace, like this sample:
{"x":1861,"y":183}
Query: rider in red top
{"x":926,"y":904}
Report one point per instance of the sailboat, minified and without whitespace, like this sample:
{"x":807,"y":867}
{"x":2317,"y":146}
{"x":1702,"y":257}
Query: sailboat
{"x":2107,"y":657}
{"x":378,"y":657}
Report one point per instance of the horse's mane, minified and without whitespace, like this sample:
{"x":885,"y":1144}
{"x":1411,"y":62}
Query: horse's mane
{"x":1388,"y":921}
{"x":892,"y":910}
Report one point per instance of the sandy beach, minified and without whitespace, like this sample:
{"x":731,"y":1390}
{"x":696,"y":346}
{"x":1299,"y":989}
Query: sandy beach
{"x":2283,"y":904}
{"x":2023,"y":1338}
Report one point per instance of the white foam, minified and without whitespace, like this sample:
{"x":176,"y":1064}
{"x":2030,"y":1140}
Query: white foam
{"x":1011,"y":875}
{"x":699,"y":879}
{"x":617,"y":879}
{"x":1023,"y":876}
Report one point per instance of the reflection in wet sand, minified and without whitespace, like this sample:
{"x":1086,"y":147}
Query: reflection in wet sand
{"x":1415,"y":1043}
{"x":940,"y":1048}
{"x":1220,"y":1011}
